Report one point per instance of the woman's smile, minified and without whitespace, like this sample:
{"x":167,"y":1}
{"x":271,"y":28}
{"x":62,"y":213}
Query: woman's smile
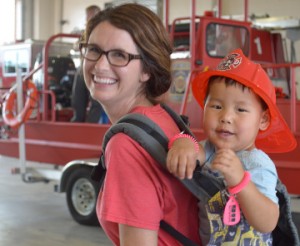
{"x":102,"y":80}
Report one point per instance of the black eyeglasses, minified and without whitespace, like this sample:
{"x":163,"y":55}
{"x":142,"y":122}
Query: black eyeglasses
{"x":118,"y":58}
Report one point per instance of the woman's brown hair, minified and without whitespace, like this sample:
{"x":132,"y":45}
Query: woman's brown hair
{"x":150,"y":37}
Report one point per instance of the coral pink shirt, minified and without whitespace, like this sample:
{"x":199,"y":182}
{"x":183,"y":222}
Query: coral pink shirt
{"x":138,"y":192}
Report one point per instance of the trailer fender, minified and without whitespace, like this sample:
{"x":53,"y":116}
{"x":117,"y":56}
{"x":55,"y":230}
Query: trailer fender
{"x":69,"y":168}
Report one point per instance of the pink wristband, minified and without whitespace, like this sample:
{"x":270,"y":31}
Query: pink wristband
{"x":180,"y":135}
{"x":239,"y":187}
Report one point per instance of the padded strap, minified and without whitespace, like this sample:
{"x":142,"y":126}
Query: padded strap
{"x":181,"y":120}
{"x":143,"y":131}
{"x":286,"y":232}
{"x":176,"y":234}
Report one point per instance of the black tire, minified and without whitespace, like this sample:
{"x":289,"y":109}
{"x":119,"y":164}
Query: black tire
{"x":82,"y":193}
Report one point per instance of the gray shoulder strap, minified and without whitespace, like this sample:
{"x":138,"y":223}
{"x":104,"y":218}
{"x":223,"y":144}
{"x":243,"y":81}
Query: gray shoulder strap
{"x":142,"y":130}
{"x":286,"y":232}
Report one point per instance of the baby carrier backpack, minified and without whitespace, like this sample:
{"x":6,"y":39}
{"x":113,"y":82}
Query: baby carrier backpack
{"x":204,"y":186}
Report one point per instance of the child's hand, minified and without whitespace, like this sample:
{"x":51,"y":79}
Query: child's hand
{"x":228,"y":163}
{"x":181,"y":158}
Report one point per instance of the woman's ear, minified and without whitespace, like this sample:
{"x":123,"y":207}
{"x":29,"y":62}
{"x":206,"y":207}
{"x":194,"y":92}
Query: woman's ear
{"x":265,"y":120}
{"x":144,"y":77}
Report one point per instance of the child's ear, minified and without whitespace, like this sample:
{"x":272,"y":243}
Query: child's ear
{"x":265,"y":120}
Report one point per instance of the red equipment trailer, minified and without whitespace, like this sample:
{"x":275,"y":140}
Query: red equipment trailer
{"x":200,"y":42}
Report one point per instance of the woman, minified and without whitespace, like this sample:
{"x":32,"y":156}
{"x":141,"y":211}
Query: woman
{"x":126,"y":64}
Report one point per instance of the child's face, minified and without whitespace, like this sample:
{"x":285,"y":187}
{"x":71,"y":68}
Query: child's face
{"x":233,"y":116}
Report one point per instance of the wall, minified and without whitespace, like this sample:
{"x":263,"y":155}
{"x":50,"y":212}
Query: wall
{"x":44,"y":19}
{"x":183,"y":8}
{"x":259,"y":7}
{"x":75,"y":16}
{"x":74,"y":13}
{"x":48,"y":14}
{"x":55,"y":16}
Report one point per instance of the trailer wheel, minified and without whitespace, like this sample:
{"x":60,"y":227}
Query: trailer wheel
{"x":82,"y":193}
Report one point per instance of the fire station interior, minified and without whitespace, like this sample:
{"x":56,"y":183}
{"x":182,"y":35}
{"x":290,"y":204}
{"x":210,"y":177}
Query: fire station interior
{"x":45,"y":38}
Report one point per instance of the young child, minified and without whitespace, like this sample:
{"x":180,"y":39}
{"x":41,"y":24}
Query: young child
{"x":241,"y":121}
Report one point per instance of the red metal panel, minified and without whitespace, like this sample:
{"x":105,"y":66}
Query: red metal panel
{"x":262,"y":46}
{"x":57,"y":143}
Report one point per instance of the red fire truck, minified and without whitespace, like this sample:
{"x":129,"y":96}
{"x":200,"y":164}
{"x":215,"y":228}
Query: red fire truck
{"x":200,"y":42}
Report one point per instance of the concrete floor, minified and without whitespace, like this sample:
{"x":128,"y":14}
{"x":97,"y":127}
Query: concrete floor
{"x":34,"y":215}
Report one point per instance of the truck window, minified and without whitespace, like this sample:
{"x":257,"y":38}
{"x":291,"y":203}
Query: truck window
{"x":222,"y":39}
{"x":13,"y":59}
